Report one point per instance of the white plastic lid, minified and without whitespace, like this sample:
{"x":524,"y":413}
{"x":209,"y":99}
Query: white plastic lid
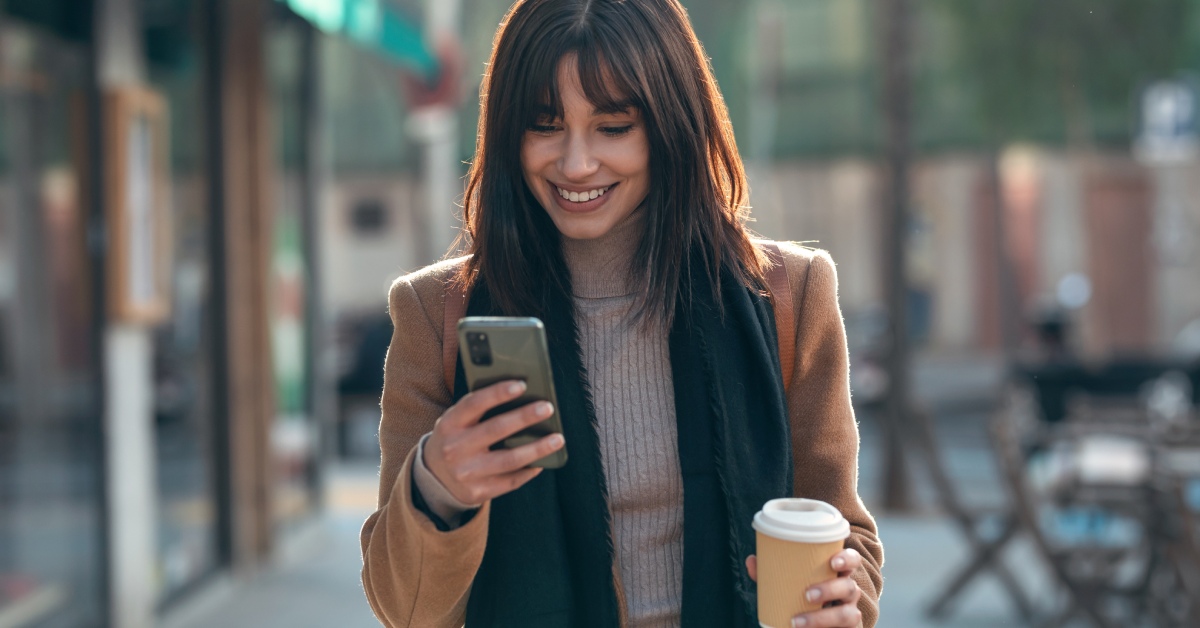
{"x":802,"y":521}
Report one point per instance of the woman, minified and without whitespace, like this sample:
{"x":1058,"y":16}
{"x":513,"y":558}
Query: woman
{"x":607,"y":198}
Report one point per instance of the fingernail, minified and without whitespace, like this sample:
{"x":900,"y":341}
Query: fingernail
{"x":545,"y":409}
{"x":799,"y":621}
{"x":516,"y":388}
{"x":812,"y":595}
{"x":556,"y":440}
{"x":839,"y":563}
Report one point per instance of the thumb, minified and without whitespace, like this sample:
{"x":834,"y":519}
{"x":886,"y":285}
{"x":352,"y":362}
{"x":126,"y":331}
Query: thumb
{"x":752,"y":567}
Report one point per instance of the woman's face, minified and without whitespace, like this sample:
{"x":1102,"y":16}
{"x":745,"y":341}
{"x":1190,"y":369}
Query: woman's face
{"x":589,"y":169}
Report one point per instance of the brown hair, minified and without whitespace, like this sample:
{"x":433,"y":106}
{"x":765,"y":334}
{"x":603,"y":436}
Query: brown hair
{"x":642,"y":53}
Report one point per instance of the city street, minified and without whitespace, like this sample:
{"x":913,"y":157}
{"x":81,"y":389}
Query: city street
{"x":203,"y":204}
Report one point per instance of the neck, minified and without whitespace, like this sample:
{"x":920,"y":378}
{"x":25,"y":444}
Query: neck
{"x":601,"y":267}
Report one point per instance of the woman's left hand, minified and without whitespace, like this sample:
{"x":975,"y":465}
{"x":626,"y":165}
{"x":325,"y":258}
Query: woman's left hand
{"x":838,"y":597}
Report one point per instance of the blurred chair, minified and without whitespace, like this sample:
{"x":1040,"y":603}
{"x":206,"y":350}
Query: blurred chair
{"x":1097,"y":475}
{"x":361,"y":383}
{"x":986,"y":531}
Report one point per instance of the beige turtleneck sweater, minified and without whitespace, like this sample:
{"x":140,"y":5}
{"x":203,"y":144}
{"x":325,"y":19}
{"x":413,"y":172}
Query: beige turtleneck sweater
{"x":415,"y":575}
{"x":629,"y":372}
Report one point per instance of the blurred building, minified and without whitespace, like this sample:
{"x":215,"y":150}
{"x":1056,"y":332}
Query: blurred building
{"x":158,"y":301}
{"x":1087,"y":228}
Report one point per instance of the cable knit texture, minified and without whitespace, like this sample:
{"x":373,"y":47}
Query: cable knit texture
{"x":629,"y":371}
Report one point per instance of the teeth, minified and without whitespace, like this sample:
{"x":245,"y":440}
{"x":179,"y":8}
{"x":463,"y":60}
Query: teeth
{"x":579,"y":197}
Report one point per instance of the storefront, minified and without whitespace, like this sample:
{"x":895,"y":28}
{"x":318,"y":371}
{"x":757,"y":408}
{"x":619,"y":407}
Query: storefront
{"x":143,"y":451}
{"x":52,"y":558}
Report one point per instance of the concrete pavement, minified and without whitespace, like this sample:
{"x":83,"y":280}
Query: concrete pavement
{"x":315,"y":583}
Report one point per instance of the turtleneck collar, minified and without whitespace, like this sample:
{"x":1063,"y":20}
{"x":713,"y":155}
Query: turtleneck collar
{"x":600,"y":266}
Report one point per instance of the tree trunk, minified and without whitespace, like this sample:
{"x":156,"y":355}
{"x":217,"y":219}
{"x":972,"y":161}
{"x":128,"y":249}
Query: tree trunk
{"x":897,"y":114}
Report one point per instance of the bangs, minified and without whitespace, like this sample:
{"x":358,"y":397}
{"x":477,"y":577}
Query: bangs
{"x":640,"y":56}
{"x":607,"y":88}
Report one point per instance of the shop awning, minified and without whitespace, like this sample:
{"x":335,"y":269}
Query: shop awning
{"x":374,"y":24}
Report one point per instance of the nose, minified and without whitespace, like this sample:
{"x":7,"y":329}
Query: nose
{"x":577,"y":162}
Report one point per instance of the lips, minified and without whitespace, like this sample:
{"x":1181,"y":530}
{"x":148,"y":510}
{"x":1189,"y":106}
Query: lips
{"x":586,"y":200}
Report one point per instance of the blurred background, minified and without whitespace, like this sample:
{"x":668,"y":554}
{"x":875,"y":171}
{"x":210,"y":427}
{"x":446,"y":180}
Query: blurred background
{"x":203,"y":202}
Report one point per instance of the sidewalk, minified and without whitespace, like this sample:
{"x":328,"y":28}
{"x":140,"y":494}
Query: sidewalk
{"x":315,"y":585}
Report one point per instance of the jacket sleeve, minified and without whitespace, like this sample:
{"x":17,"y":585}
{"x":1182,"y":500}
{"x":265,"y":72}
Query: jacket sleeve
{"x":824,"y":431}
{"x":413,"y":574}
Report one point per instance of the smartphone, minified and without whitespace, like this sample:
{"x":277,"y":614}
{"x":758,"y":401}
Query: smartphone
{"x":499,"y":348}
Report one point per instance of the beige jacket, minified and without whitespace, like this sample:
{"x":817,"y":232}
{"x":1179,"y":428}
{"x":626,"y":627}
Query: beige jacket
{"x":415,"y":575}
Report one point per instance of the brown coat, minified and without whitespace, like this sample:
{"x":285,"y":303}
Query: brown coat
{"x":415,"y":575}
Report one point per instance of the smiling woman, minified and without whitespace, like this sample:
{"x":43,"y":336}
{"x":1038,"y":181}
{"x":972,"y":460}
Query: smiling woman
{"x":588,"y":168}
{"x":607,"y":198}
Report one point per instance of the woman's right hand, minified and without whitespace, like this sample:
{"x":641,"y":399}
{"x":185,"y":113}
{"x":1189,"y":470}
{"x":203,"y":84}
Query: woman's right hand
{"x":459,"y":454}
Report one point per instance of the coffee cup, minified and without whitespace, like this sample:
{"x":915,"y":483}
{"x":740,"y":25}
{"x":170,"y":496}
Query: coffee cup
{"x":796,"y":540}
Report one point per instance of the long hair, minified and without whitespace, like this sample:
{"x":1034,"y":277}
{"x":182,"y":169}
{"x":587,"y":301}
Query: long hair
{"x":642,"y":53}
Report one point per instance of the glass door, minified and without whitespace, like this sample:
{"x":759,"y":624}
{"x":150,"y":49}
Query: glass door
{"x":51,"y":531}
{"x":184,"y":362}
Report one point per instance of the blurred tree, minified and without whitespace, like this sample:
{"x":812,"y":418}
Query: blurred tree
{"x":1062,"y":72}
{"x":1066,"y":70}
{"x":719,"y":24}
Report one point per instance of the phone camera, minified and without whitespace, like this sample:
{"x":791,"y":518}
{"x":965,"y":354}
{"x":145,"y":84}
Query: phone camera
{"x":479,"y":349}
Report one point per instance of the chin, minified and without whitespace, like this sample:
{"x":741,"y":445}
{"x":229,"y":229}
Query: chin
{"x":574,"y":228}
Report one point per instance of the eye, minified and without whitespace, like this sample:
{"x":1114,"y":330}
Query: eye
{"x":543,"y":129}
{"x":616,"y":131}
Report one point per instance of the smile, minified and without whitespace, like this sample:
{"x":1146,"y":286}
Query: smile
{"x":582,"y":197}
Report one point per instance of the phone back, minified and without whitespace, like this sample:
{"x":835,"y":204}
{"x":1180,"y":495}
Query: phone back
{"x":495,"y":349}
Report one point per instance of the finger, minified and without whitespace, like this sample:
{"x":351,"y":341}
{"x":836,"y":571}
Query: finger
{"x":468,"y":455}
{"x":846,"y":560}
{"x":502,"y":426}
{"x":854,"y":597}
{"x":471,"y":408}
{"x":752,"y":567}
{"x":852,"y":600}
{"x":505,"y":461}
{"x":836,"y":617}
{"x":839,"y":590}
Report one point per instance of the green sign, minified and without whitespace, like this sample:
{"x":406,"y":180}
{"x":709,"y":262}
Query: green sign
{"x":373,"y":24}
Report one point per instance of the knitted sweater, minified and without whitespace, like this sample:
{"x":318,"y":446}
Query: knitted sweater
{"x":415,"y":575}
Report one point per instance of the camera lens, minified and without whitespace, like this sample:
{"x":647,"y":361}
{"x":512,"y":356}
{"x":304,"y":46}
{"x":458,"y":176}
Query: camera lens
{"x":477,"y":346}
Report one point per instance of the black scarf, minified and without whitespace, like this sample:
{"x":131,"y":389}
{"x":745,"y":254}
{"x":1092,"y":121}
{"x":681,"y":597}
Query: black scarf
{"x":549,"y":557}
